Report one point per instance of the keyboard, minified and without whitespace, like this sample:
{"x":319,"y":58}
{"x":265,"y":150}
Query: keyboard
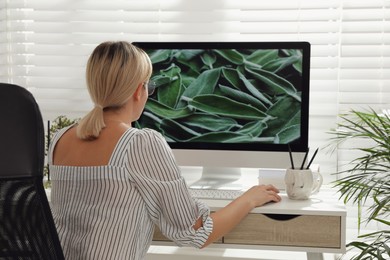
{"x":215,"y":194}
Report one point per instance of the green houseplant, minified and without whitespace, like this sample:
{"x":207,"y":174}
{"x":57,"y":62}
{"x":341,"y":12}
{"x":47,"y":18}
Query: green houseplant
{"x":55,"y":125}
{"x":366,"y":182}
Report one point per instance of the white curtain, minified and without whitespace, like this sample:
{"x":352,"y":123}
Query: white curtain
{"x":44,"y":46}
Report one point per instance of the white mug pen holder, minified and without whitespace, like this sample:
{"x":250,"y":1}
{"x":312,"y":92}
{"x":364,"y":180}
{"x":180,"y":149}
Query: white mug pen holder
{"x":302,"y":183}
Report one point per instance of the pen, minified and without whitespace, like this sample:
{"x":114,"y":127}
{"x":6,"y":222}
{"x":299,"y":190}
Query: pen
{"x":312,"y":158}
{"x":291,"y":158}
{"x":304,"y":158}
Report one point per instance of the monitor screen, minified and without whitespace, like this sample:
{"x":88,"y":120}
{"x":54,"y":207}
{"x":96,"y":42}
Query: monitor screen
{"x":229,"y":96}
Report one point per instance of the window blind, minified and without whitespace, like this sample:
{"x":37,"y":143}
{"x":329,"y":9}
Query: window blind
{"x":44,"y":46}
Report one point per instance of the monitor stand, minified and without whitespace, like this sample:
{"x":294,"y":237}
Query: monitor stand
{"x":225,"y":178}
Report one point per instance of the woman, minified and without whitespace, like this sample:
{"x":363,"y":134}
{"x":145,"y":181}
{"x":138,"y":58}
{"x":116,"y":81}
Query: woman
{"x":111,"y":183}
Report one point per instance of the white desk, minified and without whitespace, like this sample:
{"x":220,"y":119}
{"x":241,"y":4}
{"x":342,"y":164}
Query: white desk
{"x":314,"y":226}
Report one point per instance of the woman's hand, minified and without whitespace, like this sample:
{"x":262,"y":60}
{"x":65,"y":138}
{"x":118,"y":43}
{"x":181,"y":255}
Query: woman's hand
{"x":228,"y":217}
{"x":261,"y":194}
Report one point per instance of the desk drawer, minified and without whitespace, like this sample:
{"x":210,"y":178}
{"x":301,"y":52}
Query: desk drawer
{"x":287,"y":230}
{"x":282,"y":230}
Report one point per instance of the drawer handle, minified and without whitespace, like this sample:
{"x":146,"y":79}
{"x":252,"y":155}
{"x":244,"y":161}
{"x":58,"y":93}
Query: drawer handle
{"x":281,"y":217}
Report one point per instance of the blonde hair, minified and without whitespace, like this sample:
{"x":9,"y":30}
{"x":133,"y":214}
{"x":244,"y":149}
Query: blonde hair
{"x":114,"y":71}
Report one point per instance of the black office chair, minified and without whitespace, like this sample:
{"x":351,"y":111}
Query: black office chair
{"x":27,"y":229}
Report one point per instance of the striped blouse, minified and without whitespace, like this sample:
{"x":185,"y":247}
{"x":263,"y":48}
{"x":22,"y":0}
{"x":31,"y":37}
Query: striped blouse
{"x":109,"y":212}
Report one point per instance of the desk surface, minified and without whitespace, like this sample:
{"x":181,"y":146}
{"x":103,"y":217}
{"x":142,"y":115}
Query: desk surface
{"x":326,"y":202}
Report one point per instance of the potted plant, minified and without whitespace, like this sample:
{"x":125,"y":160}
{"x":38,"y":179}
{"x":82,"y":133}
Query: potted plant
{"x":366,"y":182}
{"x":53,"y":126}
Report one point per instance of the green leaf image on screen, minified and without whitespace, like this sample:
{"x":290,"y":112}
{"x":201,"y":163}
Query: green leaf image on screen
{"x":225,"y":95}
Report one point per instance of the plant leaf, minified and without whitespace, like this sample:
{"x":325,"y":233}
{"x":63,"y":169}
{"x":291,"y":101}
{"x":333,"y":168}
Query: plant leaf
{"x":190,"y":59}
{"x":221,"y":137}
{"x":277,"y":85}
{"x":292,"y":52}
{"x":229,"y":137}
{"x":171,"y":128}
{"x":261,"y":57}
{"x":224,"y":106}
{"x":285,"y":113}
{"x":164,"y":111}
{"x":289,"y":134}
{"x":254,"y":128}
{"x":252,"y":89}
{"x":242,"y":97}
{"x":204,"y":84}
{"x":209,"y":122}
{"x":208,"y":59}
{"x":281,"y":63}
{"x":159,"y":55}
{"x":232,"y":56}
{"x":183,"y":54}
{"x":169,"y":94}
{"x":161,"y":80}
{"x":232,"y":76}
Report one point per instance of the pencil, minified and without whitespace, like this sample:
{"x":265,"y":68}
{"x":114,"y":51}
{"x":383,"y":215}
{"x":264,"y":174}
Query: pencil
{"x":304,"y":158}
{"x":312,"y":158}
{"x":291,"y":158}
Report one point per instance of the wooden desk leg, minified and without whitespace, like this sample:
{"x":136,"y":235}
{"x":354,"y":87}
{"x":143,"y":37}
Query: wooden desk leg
{"x":314,"y":256}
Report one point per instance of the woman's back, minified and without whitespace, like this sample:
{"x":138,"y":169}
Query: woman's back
{"x":97,"y":208}
{"x":73,"y":151}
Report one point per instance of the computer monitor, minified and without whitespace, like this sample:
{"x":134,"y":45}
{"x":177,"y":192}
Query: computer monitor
{"x":225,"y":106}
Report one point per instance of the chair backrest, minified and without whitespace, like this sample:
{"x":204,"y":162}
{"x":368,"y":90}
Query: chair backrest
{"x":27,"y":229}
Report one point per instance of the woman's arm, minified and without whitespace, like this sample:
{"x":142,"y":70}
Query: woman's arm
{"x":169,"y":203}
{"x":225,"y":219}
